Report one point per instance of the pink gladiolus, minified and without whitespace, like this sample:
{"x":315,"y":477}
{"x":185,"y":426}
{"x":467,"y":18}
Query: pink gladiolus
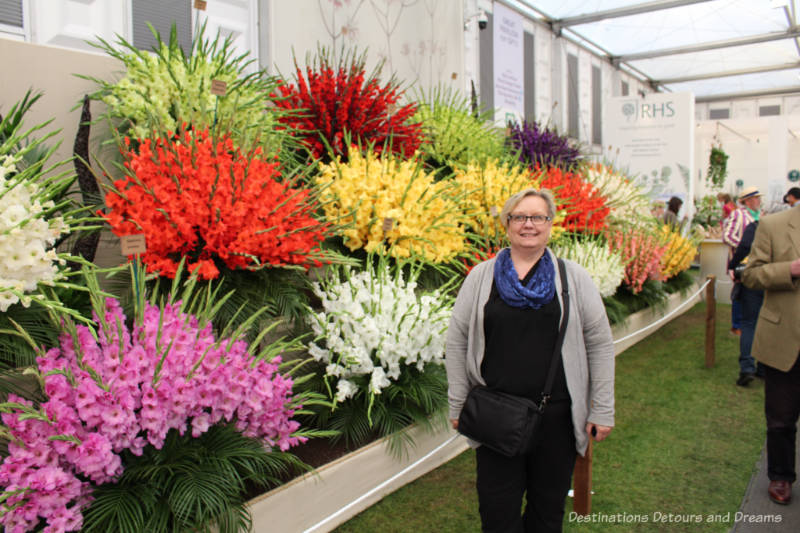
{"x":642,"y":253}
{"x":123,"y":393}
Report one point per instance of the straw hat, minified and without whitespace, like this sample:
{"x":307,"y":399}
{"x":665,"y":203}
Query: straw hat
{"x":749,"y":192}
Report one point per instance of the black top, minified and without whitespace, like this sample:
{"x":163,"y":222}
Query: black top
{"x":743,"y":249}
{"x":519,"y":347}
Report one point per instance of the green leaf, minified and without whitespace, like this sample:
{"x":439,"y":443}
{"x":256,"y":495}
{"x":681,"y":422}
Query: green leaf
{"x":120,"y":507}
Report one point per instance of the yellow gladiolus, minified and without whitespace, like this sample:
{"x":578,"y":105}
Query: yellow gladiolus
{"x":392,"y":206}
{"x":679,"y":254}
{"x":486,"y":187}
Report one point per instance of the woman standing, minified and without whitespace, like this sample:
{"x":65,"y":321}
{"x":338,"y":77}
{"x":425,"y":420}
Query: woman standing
{"x":671,"y":216}
{"x":503,"y":334}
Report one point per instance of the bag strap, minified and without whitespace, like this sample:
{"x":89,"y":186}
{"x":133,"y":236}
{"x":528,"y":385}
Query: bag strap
{"x":551,"y":373}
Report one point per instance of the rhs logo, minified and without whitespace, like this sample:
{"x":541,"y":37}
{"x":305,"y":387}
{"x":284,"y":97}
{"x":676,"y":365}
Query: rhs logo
{"x":634,"y":110}
{"x":629,"y":110}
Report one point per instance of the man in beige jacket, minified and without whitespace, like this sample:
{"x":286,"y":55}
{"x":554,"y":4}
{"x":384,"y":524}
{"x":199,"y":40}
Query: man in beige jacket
{"x":774,"y":266}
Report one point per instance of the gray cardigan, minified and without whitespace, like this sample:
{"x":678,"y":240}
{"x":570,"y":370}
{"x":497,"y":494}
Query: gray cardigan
{"x":588,"y":351}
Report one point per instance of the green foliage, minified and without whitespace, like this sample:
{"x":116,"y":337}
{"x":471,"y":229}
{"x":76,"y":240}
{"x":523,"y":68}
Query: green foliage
{"x":651,"y":295}
{"x":454,"y":136}
{"x":12,"y":124}
{"x":189,"y":485}
{"x":36,"y":321}
{"x":616,"y":311}
{"x":275,"y":293}
{"x":680,"y":283}
{"x":708,"y":212}
{"x":717,"y":167}
{"x":415,"y":398}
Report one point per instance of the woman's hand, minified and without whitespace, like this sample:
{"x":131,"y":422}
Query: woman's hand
{"x":597,"y":431}
{"x":454,"y":423}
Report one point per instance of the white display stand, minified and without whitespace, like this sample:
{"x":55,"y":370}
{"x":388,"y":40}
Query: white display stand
{"x":714,"y":260}
{"x":307,"y":500}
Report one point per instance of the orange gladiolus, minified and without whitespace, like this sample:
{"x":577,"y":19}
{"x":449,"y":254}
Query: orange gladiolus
{"x":204,"y":199}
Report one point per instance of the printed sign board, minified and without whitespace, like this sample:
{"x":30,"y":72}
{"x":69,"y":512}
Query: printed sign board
{"x":509,"y":69}
{"x":652,"y":137}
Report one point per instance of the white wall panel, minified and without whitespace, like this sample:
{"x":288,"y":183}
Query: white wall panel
{"x":585,"y":96}
{"x":471,"y":47}
{"x":744,"y":109}
{"x":543,"y":50}
{"x":237,"y":19}
{"x":70,"y":23}
{"x":558,"y":81}
{"x":791,"y":105}
{"x":420,"y":42}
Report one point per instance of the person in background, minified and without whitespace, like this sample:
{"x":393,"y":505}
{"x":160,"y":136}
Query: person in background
{"x":657,"y":209}
{"x":671,"y":215}
{"x":502,"y":334}
{"x":750,"y":301}
{"x":792,"y":196}
{"x":750,"y":205}
{"x":774,"y":267}
{"x":728,"y":205}
{"x":732,"y":230}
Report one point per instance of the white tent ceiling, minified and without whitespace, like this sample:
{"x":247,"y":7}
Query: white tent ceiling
{"x":629,"y":32}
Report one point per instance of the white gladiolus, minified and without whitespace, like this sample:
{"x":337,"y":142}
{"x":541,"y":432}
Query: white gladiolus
{"x":345,"y":389}
{"x":26,"y":237}
{"x":372,"y":326}
{"x":606,"y":268}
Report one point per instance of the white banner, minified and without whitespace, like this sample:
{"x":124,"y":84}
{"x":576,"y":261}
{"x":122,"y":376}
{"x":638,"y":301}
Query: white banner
{"x":509,"y":73}
{"x":652,"y":137}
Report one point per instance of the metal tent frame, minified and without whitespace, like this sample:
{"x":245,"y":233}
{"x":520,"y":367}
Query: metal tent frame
{"x":575,"y":25}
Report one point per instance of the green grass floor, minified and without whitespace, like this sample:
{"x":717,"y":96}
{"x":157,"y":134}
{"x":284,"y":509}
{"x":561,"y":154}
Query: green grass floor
{"x":686,"y":444}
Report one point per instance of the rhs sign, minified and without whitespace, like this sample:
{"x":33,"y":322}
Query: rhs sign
{"x":653,"y":138}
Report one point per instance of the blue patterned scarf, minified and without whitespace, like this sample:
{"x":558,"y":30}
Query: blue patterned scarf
{"x":539,"y":290}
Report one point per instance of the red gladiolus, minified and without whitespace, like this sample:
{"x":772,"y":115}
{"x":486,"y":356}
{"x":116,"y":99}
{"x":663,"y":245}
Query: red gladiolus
{"x":583,"y":203}
{"x":472,"y":261}
{"x":332,"y":102}
{"x":205,"y":200}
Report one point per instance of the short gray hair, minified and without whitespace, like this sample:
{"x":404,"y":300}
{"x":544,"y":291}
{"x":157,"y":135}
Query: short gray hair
{"x":515,"y":199}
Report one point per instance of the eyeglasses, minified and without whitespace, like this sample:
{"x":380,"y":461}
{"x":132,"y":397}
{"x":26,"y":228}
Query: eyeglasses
{"x":537,"y":220}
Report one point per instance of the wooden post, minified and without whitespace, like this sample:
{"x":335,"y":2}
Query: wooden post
{"x":582,"y":483}
{"x":711,"y":321}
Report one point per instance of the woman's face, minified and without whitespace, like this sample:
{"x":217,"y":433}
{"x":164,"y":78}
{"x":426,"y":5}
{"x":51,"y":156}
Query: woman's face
{"x":527,"y":235}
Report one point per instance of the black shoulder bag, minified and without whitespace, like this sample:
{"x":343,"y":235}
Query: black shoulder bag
{"x":506,"y":423}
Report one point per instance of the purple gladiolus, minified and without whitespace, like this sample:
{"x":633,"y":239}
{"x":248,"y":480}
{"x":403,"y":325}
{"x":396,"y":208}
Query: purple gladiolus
{"x":538,"y":145}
